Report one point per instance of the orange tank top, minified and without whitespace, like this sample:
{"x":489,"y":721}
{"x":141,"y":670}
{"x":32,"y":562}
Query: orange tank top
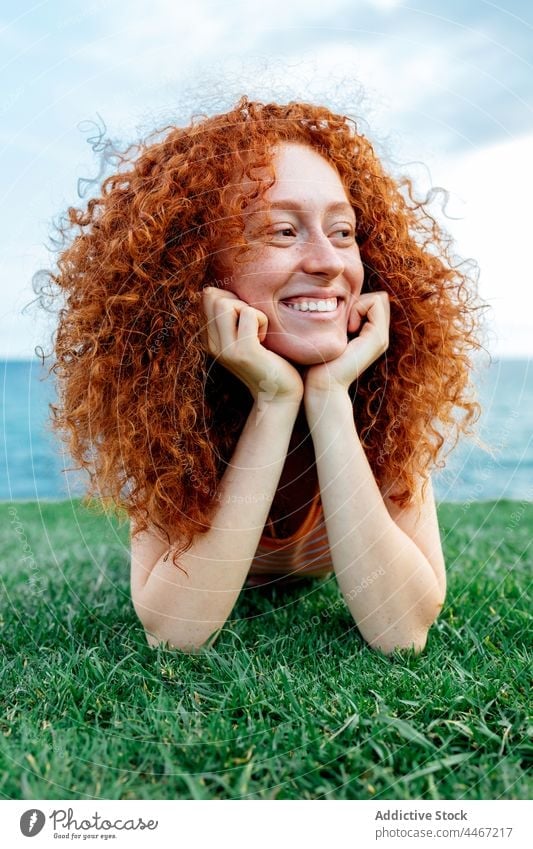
{"x":304,"y":554}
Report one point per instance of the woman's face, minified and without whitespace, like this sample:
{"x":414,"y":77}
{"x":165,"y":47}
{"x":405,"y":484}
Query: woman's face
{"x":304,"y":253}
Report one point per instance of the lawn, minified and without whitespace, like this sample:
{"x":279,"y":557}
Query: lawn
{"x":289,"y":703}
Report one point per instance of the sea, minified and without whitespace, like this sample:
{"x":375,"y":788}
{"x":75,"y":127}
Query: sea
{"x":34,"y":466}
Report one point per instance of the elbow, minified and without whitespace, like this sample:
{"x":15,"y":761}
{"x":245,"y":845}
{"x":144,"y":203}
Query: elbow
{"x":179,"y":643}
{"x":166,"y":629}
{"x":413,"y":637}
{"x":415,"y":642}
{"x":165,"y":634}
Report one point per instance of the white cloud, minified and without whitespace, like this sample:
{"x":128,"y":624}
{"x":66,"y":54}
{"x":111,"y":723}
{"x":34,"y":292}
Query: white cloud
{"x":492,"y":191}
{"x":172,"y":38}
{"x":383,"y":5}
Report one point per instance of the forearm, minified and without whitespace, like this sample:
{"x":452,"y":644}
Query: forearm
{"x":186,"y":608}
{"x":388,"y":584}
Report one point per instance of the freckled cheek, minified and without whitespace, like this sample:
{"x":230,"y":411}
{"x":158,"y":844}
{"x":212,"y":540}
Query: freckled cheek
{"x":258,"y":287}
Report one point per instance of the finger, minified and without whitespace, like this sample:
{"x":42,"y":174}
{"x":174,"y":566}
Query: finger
{"x":216,"y":293}
{"x":227,"y":317}
{"x":208,"y":331}
{"x":212,"y":299}
{"x":379,"y":314}
{"x":374,"y":306}
{"x":252,"y":324}
{"x":354,"y":320}
{"x":367,"y":300}
{"x":262,"y":325}
{"x":378,"y":320}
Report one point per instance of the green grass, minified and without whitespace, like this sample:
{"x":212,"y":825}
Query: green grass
{"x":289,"y":703}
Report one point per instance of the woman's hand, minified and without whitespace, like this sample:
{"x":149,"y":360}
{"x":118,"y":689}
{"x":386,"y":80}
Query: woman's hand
{"x":361,"y":352}
{"x":233,"y":334}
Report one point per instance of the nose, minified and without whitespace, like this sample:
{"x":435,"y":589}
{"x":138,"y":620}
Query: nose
{"x":320,"y":257}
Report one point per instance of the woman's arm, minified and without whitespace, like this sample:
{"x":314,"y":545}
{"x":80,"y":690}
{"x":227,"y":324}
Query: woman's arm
{"x":388,"y":562}
{"x":187,"y":610}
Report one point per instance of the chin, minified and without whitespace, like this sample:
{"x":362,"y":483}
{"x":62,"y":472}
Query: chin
{"x":306,"y":354}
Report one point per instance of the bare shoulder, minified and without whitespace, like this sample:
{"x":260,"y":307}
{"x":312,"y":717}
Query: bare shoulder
{"x":146,"y":549}
{"x":419,"y":521}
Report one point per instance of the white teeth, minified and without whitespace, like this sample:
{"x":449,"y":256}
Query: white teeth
{"x":329,"y":305}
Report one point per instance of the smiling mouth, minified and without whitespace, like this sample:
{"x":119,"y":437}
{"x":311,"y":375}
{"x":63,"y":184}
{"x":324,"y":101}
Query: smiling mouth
{"x":315,"y":309}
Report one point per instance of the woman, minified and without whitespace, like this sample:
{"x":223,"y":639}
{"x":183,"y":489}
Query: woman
{"x":264,"y":346}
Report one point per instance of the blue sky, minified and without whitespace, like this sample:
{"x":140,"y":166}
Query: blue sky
{"x":443,"y":89}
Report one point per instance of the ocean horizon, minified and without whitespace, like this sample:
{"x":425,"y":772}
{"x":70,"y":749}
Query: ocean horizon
{"x":32,"y":459}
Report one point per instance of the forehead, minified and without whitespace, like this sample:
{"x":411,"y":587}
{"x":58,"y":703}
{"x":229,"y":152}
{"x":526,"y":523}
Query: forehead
{"x":300,"y":168}
{"x":303,"y":179}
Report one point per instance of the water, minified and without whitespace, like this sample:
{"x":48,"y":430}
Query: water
{"x":31,"y":458}
{"x":506,"y":424}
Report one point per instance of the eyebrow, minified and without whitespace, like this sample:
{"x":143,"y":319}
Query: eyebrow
{"x":339,"y":206}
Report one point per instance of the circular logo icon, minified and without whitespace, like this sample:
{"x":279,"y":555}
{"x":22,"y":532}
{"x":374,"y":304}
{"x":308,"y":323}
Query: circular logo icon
{"x":31,"y":822}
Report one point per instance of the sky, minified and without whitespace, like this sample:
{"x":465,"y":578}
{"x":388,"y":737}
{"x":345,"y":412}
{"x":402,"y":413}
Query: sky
{"x":443,"y":89}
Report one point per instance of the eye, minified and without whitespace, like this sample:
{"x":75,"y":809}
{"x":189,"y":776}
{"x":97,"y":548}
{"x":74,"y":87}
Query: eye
{"x":283,"y":232}
{"x":344,"y":233}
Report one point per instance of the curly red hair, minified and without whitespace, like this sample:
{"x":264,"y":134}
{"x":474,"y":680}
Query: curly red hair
{"x":145,"y":410}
